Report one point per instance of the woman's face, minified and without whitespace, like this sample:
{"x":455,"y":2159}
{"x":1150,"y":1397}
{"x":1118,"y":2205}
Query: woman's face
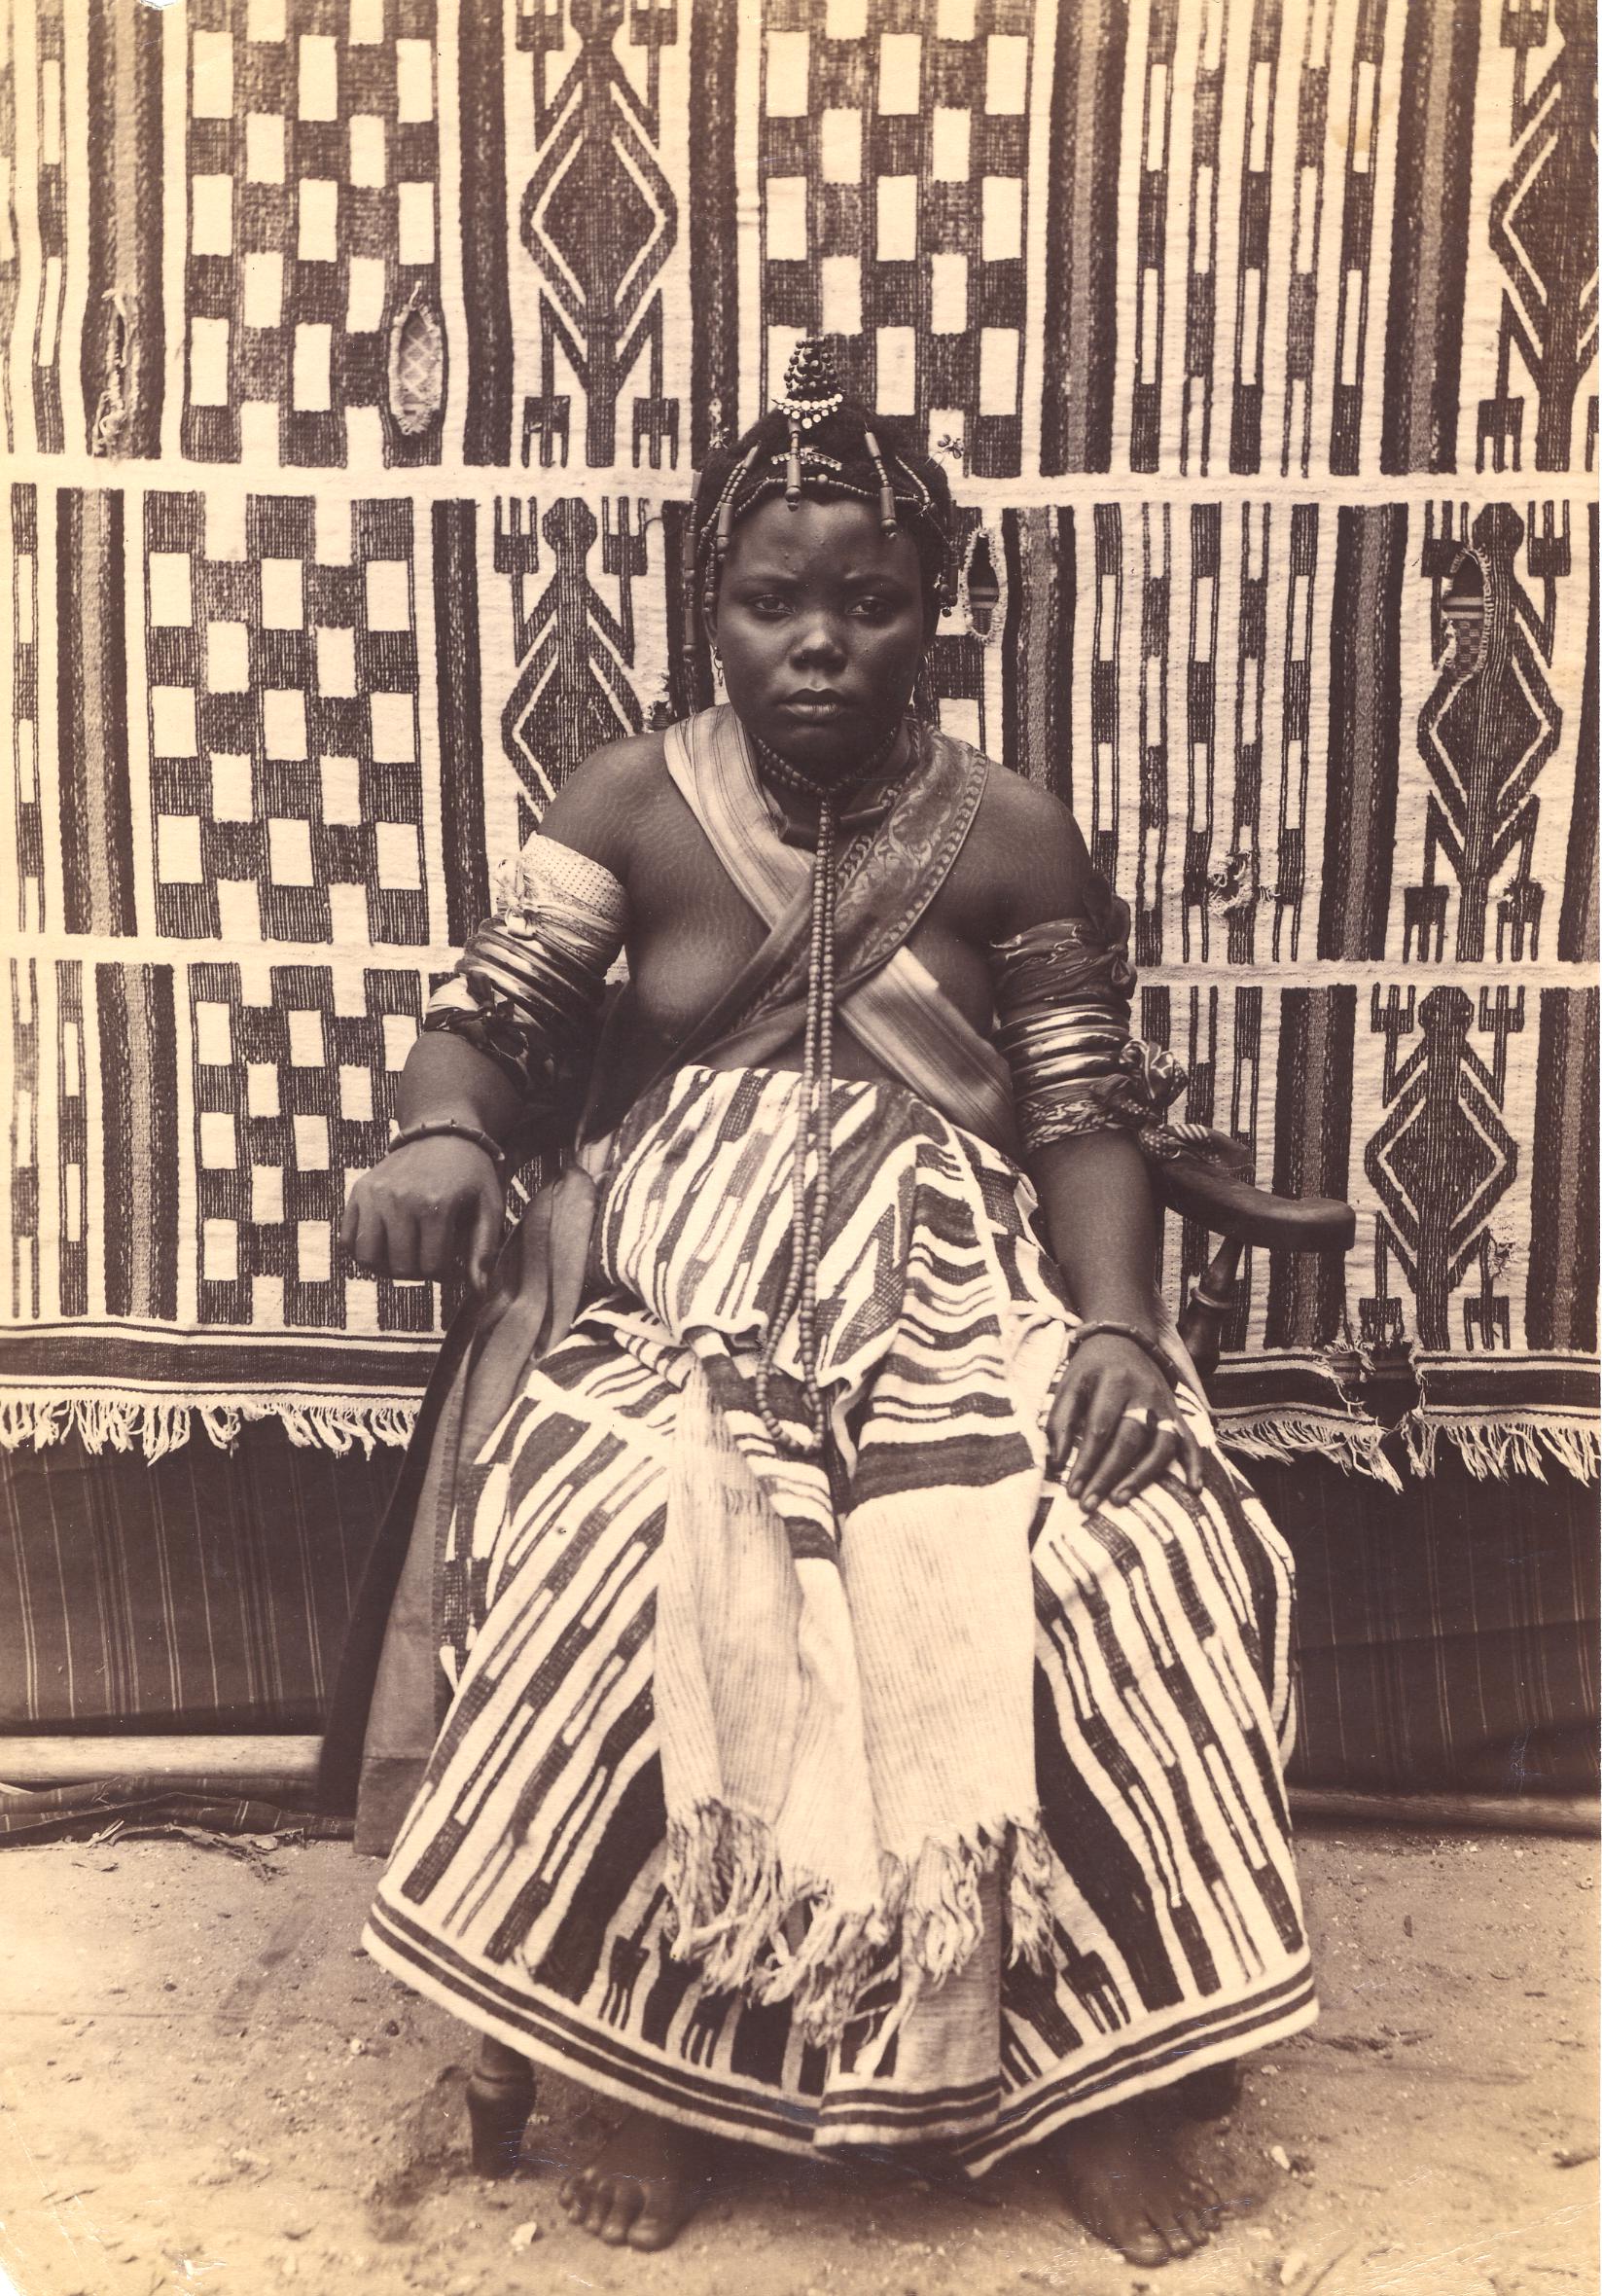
{"x":820,"y":622}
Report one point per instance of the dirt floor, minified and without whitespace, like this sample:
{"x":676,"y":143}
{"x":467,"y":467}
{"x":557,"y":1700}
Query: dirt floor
{"x":204,"y":2085}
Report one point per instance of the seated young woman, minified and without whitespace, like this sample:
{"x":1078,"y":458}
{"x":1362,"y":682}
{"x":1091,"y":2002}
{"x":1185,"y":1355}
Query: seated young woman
{"x":866,"y":1680}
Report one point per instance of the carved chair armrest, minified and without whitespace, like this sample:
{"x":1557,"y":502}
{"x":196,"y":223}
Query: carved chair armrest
{"x":1227,"y":1204}
{"x":1213,"y":1184}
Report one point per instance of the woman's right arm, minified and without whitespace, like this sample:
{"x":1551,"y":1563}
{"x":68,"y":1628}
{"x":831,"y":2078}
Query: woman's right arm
{"x":434,"y":1205}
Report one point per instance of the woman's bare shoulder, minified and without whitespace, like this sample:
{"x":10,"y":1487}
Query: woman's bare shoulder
{"x":598,"y":809}
{"x":1028,"y":844}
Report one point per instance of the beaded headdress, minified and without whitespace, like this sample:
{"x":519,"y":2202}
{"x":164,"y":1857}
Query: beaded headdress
{"x":782,"y":454}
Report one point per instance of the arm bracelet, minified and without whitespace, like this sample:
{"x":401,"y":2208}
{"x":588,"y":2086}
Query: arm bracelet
{"x":1062,"y":1024}
{"x":1104,"y":1327}
{"x":528,"y":989}
{"x":434,"y":1127}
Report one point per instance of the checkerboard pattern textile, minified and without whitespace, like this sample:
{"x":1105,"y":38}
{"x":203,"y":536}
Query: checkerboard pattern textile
{"x":312,"y":265}
{"x":360,"y":354}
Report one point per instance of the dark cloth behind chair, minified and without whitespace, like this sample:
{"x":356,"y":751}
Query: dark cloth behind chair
{"x":208,"y":1590}
{"x":1447,"y":1633}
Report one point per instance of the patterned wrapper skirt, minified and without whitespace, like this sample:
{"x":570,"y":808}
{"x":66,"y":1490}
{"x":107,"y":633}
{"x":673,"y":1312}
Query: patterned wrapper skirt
{"x":526,"y":1891}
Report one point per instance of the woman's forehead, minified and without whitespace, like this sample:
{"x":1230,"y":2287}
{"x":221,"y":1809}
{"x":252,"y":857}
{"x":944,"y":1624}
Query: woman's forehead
{"x":829,"y":537}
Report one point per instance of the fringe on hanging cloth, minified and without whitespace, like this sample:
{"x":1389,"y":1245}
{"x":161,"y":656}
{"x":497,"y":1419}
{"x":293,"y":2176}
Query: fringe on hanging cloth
{"x":1355,"y":1444}
{"x":1495,"y":1446}
{"x":738,"y":1912}
{"x":156,"y":1425}
{"x":1551,"y":1414}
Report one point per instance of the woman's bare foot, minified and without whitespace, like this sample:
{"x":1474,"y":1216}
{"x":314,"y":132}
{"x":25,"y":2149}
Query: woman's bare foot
{"x":643,"y":2186}
{"x":1125,"y":2186}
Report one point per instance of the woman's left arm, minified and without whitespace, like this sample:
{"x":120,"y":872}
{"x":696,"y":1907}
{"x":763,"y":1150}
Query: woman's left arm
{"x":1115,"y":1414}
{"x":1114,"y":1410}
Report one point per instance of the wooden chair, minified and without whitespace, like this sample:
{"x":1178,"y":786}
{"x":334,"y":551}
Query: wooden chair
{"x":1217,"y":1191}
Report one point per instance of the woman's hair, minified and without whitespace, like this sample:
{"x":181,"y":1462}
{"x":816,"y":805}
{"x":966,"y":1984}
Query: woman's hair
{"x":814,"y":440}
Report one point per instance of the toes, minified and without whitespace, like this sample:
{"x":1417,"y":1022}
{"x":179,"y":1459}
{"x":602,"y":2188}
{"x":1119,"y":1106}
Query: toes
{"x":1143,"y":2245}
{"x":1198,"y":2224}
{"x":1207,"y":2203}
{"x":1171,"y":2225}
{"x":591,"y":2197}
{"x":656,"y":2226}
{"x":623,"y":2207}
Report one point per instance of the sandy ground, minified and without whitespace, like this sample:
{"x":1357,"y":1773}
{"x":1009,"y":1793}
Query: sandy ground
{"x":204,"y":2085}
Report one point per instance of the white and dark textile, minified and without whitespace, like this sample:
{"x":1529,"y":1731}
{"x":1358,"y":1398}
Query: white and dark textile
{"x":358,"y":357}
{"x":531,"y":1890}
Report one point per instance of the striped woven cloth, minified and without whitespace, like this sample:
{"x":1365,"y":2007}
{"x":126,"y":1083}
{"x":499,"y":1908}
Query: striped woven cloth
{"x":528,"y":1889}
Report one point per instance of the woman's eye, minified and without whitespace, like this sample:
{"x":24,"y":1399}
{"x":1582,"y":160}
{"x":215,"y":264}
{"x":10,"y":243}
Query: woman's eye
{"x":873,"y":609}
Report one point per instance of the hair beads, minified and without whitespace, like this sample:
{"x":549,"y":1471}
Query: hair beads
{"x":811,"y":391}
{"x":888,"y":522}
{"x":725,"y":505}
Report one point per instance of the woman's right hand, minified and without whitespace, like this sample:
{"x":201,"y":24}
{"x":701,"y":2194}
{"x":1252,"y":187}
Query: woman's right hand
{"x":432,"y":1208}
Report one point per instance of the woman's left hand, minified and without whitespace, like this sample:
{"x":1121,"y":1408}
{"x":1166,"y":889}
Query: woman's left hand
{"x":1118,"y":1416}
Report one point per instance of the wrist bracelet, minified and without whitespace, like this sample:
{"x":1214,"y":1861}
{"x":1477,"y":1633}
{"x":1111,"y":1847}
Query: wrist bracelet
{"x":1104,"y":1327}
{"x":434,"y":1127}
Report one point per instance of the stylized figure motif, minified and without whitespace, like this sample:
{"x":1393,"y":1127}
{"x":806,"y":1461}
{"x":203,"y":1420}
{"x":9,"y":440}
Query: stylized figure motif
{"x":1486,"y":732}
{"x":1442,"y":1159}
{"x":1543,"y":227}
{"x":572,"y":691}
{"x":598,"y":218}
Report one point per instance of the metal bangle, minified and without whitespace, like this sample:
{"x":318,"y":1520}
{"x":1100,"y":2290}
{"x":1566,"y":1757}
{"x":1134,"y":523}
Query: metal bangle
{"x":1104,"y":1326}
{"x":434,"y":1127}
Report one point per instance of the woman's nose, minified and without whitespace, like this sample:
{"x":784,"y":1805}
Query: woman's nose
{"x":818,"y":640}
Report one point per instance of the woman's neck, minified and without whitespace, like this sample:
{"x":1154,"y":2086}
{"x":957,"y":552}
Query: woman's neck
{"x":801,"y":789}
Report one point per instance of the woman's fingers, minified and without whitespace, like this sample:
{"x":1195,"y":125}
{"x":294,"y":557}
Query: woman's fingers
{"x":483,"y":1237}
{"x":1098,"y":1436}
{"x":1062,"y":1426}
{"x":400,"y":1231}
{"x":1130,"y":1436}
{"x":1153,"y":1462}
{"x":437,"y":1240}
{"x":387,"y":1236}
{"x":1120,"y":1427}
{"x":1188,"y":1461}
{"x":421,"y":1210}
{"x":363,"y":1233}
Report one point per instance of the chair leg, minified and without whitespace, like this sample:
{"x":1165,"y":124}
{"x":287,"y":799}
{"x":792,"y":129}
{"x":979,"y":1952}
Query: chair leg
{"x":500,"y":2097}
{"x":1206,"y":1311}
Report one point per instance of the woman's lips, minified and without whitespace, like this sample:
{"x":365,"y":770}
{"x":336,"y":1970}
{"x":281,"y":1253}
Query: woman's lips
{"x":815,"y":705}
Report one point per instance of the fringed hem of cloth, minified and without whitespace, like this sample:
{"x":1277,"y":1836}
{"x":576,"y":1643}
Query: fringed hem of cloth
{"x":972,"y":2122}
{"x":775,"y":1936}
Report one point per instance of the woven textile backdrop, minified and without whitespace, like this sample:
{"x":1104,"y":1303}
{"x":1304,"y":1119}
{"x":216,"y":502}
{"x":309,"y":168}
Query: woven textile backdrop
{"x":358,"y":354}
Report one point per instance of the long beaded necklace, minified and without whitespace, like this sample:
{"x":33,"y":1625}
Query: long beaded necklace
{"x":810,"y":1187}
